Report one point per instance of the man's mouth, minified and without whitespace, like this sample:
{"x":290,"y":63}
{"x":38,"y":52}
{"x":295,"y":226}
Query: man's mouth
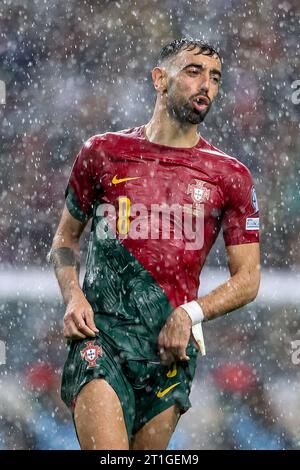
{"x":200,"y":103}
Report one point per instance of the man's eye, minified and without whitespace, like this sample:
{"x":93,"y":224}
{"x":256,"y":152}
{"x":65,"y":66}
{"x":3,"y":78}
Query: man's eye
{"x":216,"y":80}
{"x":193,"y":71}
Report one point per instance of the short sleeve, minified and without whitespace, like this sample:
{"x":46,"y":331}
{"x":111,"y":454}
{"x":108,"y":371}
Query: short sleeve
{"x":241,"y":214}
{"x":81,"y":190}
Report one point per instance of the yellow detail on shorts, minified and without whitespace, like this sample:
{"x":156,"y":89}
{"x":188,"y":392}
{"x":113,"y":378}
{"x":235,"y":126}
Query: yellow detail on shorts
{"x":167,"y":390}
{"x":172,"y":372}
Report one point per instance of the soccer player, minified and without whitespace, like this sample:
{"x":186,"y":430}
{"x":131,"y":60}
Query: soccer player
{"x":132,"y":328}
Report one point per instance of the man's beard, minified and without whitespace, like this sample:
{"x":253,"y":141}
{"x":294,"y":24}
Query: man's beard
{"x":184,"y":112}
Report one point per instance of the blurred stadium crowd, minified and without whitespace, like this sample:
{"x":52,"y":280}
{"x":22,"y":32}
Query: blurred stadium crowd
{"x":77,"y":68}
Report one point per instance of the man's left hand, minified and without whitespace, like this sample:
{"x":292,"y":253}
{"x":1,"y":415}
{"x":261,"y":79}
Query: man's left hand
{"x":174,"y":337}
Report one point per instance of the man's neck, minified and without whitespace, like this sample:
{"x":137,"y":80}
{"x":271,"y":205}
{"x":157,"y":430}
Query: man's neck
{"x":171,"y":134}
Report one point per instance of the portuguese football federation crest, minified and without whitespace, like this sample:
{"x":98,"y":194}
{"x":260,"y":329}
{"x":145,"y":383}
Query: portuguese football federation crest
{"x":198,"y":191}
{"x":90,"y":353}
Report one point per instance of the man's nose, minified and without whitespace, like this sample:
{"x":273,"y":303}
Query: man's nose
{"x":205,"y":82}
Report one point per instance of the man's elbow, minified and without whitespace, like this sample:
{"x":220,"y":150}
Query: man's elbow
{"x":65,"y":238}
{"x":253,"y":286}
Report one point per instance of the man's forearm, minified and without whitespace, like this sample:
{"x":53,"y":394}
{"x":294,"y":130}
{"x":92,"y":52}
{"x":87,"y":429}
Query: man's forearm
{"x":239,"y":290}
{"x":66,"y":264}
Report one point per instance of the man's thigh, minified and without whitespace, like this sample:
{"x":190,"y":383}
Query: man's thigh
{"x":93,"y":365}
{"x":156,"y":434}
{"x":166,"y":387}
{"x":160,"y":403}
{"x":99,"y":418}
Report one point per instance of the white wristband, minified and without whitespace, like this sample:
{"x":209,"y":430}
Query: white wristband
{"x":194,"y":310}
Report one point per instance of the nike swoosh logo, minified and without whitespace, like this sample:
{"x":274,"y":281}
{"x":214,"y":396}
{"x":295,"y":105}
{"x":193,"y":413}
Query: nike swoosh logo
{"x":161,"y":394}
{"x":115,"y":180}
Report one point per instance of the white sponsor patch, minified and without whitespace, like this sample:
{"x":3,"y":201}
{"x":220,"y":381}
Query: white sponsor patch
{"x":252,"y":223}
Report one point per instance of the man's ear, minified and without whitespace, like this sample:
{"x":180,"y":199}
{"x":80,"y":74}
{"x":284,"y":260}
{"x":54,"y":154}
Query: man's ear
{"x":159,"y":78}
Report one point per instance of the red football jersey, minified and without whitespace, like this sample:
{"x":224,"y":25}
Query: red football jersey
{"x":133,"y":175}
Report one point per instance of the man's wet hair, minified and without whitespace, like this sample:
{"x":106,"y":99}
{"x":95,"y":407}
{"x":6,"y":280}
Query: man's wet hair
{"x":177,"y":45}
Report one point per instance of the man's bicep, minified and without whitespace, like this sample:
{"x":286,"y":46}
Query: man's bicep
{"x":244,"y":257}
{"x":240,"y":221}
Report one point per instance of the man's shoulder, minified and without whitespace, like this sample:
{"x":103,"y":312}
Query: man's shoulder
{"x":228,"y":164}
{"x":111,"y":138}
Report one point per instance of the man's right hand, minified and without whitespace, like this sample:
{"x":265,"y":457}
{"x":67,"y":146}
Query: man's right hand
{"x":79,"y":317}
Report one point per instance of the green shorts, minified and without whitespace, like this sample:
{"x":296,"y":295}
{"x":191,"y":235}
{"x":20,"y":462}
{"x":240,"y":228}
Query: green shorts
{"x":145,"y":388}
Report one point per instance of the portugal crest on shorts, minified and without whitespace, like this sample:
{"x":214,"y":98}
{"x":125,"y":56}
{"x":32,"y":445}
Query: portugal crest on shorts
{"x":198,"y":191}
{"x":90,"y":353}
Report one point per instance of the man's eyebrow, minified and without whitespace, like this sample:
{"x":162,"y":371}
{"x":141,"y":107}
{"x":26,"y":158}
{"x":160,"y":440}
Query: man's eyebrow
{"x":200,"y":66}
